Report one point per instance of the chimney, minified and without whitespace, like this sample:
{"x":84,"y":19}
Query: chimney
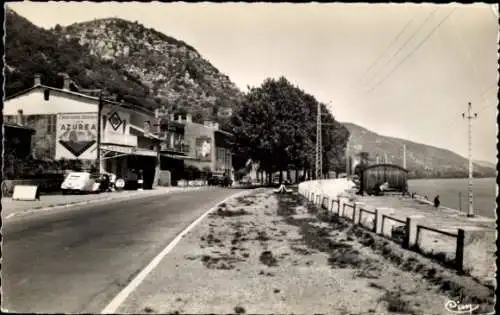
{"x":20,"y":117}
{"x":66,"y":83}
{"x":179,"y":118}
{"x":189,"y":118}
{"x":38,"y":79}
{"x":172,"y":117}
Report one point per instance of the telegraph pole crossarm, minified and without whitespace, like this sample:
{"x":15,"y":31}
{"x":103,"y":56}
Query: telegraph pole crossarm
{"x":469,"y":116}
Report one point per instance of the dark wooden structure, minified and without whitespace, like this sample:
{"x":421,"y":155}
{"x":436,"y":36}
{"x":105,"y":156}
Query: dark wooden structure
{"x":376,"y":175}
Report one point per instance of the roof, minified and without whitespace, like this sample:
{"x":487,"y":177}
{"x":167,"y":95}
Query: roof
{"x":387,"y":165}
{"x":225,"y":132}
{"x":17,"y":126}
{"x":81,"y":95}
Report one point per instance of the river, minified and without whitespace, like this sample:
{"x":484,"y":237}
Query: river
{"x":484,"y":192}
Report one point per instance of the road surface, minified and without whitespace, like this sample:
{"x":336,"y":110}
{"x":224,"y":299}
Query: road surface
{"x":78,"y":259}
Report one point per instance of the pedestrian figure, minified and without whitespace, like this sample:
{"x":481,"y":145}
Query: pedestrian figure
{"x":436,"y":202}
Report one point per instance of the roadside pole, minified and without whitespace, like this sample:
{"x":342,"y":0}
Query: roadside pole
{"x":98,"y":151}
{"x":469,"y":117}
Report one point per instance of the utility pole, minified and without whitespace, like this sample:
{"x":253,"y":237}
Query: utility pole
{"x":469,"y":117}
{"x":319,"y":145}
{"x":347,"y":160}
{"x":404,"y":155}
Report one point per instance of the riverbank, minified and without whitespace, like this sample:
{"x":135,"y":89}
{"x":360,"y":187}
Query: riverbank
{"x":437,"y":228}
{"x":453,"y":193}
{"x":278,"y":253}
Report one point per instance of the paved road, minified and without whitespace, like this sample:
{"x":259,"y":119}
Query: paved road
{"x":78,"y":259}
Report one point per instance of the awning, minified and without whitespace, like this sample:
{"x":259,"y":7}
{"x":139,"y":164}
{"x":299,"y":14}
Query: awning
{"x":178,"y":157}
{"x":124,"y":150}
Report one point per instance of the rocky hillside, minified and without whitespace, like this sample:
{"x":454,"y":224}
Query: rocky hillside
{"x":133,"y":63}
{"x":421,"y":160}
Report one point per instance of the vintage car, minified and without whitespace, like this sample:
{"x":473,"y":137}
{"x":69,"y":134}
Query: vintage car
{"x":83,"y":182}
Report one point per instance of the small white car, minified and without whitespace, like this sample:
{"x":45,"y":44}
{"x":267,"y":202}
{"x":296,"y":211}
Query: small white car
{"x":80,"y":182}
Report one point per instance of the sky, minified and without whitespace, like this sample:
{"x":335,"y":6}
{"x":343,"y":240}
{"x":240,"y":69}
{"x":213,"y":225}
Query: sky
{"x":406,"y":70}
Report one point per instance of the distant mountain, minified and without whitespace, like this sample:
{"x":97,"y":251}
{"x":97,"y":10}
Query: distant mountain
{"x":421,"y":160}
{"x":485,"y":164}
{"x":136,"y":64}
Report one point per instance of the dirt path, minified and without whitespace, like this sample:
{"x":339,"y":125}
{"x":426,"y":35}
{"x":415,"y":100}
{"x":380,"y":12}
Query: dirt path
{"x":268,"y":253}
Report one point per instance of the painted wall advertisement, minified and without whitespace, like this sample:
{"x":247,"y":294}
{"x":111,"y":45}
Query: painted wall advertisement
{"x":76,"y":136}
{"x":204,"y":148}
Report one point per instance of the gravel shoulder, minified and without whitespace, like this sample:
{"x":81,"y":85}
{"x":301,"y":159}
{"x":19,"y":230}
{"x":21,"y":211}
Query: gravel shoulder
{"x":268,"y":253}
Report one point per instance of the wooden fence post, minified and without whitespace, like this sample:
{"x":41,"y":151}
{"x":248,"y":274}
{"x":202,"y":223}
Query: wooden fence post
{"x":459,"y":254}
{"x":406,"y":239}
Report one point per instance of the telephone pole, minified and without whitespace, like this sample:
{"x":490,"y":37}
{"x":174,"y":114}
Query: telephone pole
{"x":319,"y":145}
{"x":404,"y":156}
{"x":469,"y":117}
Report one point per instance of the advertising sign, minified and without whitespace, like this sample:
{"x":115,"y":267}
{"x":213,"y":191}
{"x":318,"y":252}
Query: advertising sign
{"x":204,"y":148}
{"x":76,"y":136}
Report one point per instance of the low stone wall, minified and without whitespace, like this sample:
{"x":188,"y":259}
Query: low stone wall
{"x":44,"y":185}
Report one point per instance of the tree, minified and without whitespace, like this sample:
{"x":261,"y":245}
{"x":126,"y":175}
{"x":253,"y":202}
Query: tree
{"x":276,"y":126}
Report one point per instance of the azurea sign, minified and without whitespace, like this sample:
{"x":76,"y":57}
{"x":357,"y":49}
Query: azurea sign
{"x":79,"y":126}
{"x":76,"y":134}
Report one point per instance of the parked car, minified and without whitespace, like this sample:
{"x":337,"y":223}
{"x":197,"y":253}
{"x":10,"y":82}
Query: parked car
{"x":227,"y":181}
{"x":80,"y":182}
{"x":246,"y":180}
{"x":214,"y":180}
{"x":220,"y":180}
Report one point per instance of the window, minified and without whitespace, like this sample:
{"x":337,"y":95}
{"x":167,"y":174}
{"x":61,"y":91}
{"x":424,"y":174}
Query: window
{"x":46,"y":94}
{"x":51,"y":123}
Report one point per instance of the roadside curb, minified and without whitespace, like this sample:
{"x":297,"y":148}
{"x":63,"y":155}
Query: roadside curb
{"x":92,"y":201}
{"x":113,"y":306}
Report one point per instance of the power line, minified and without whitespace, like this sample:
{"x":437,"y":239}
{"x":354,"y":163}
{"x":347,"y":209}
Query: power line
{"x":412,"y":52}
{"x":393,"y":56}
{"x":408,"y":40}
{"x":385,"y":51}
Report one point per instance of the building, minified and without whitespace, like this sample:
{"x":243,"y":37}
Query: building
{"x":17,"y":140}
{"x":186,"y":143}
{"x":67,"y":127}
{"x":17,"y":148}
{"x":394,"y":175}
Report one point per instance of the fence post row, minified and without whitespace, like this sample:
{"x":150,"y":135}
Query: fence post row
{"x":382,"y":224}
{"x":406,"y":239}
{"x":459,"y":254}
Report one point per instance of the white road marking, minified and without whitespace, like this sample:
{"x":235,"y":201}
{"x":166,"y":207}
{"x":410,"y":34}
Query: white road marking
{"x":92,"y":201}
{"x":113,"y":306}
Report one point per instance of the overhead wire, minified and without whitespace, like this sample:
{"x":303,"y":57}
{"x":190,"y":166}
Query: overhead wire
{"x":362,"y":78}
{"x":412,"y":52}
{"x":394,"y":55}
{"x":415,"y":33}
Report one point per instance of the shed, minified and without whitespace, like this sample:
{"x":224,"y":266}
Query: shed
{"x":377,"y":174}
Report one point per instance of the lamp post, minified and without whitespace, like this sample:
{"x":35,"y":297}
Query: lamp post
{"x":99,"y":111}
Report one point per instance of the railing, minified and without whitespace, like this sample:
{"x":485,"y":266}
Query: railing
{"x":385,"y":216}
{"x":179,"y":148}
{"x":380,"y":218}
{"x":361,"y":211}
{"x":459,"y":250}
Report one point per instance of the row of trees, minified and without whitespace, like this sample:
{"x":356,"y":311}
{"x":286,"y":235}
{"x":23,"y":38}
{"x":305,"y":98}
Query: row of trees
{"x":276,"y":127}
